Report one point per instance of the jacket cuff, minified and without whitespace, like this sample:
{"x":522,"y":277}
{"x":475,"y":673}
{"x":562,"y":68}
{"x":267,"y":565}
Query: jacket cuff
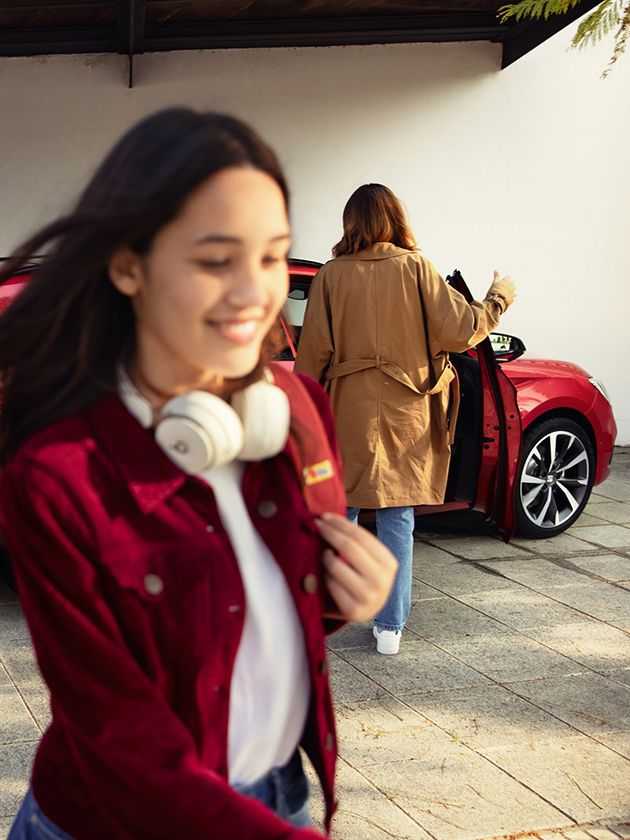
{"x":498,"y":300}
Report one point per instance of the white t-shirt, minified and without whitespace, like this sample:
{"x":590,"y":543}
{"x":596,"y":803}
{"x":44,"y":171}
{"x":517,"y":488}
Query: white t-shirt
{"x":270,"y":688}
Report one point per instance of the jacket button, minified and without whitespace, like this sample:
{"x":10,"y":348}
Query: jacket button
{"x":210,"y":529}
{"x":153,"y":584}
{"x":309,"y":584}
{"x":267,"y":509}
{"x":329,"y":743}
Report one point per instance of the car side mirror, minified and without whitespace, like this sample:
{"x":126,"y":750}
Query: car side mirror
{"x":506,"y":348}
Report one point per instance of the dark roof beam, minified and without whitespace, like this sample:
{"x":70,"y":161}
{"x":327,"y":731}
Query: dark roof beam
{"x":14,"y":42}
{"x":324,"y":31}
{"x":57,"y":5}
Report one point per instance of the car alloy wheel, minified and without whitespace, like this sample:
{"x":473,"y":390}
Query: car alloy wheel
{"x":555,"y":477}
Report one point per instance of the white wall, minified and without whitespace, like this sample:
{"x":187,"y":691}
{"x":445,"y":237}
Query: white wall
{"x":524,"y":169}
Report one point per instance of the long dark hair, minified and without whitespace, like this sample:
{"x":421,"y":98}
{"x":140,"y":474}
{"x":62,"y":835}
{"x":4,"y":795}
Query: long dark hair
{"x":373,"y":214}
{"x":63,"y":338}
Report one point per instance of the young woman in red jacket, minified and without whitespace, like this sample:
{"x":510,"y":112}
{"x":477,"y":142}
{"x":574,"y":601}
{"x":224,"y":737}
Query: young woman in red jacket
{"x":172,"y":504}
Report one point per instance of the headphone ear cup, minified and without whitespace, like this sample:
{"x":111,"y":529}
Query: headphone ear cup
{"x":265,"y":416}
{"x":199,"y":431}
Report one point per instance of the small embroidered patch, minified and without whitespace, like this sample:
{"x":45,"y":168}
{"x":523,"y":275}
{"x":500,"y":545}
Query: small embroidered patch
{"x":318,"y":472}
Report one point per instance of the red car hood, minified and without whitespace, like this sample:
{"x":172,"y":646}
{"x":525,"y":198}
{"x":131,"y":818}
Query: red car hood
{"x":526,"y":370}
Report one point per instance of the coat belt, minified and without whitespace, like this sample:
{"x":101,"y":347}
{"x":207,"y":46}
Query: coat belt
{"x":392,"y":370}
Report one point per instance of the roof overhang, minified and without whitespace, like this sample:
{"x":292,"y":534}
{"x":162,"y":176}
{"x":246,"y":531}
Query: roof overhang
{"x":131,"y":27}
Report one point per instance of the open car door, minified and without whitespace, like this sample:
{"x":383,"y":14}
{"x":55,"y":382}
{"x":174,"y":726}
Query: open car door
{"x":500,"y":439}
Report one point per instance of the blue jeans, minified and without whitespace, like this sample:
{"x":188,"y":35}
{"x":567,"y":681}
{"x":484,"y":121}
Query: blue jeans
{"x":31,"y":824}
{"x":394,"y":528}
{"x":284,"y":790}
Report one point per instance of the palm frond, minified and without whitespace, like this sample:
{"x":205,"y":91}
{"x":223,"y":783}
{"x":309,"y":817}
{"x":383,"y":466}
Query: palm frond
{"x":535,"y":9}
{"x":621,"y":39}
{"x":598,"y":24}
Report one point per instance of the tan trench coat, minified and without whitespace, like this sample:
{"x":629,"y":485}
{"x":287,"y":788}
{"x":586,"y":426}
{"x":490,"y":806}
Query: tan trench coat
{"x":393,"y":390}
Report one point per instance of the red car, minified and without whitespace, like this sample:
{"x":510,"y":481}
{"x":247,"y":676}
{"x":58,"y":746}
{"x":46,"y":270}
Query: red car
{"x":533,"y":435}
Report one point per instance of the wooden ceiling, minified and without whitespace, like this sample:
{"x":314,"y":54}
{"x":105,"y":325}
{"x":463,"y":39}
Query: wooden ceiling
{"x":41,"y":27}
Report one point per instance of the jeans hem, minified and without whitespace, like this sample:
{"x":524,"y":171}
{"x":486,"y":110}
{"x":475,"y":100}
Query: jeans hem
{"x":389,"y":627}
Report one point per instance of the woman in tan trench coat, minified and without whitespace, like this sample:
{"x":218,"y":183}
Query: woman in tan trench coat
{"x":379,"y":325}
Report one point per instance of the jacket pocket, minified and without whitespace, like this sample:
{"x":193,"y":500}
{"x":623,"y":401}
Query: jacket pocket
{"x":158,"y":573}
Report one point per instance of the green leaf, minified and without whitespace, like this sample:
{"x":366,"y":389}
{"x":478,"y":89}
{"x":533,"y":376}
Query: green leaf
{"x":535,"y":9}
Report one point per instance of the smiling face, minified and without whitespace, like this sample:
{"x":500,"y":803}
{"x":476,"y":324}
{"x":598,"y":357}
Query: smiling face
{"x":211,"y":285}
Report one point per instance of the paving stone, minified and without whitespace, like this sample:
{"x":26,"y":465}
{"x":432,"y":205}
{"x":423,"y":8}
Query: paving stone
{"x":19,"y":660}
{"x":599,"y":600}
{"x":522,"y":608}
{"x":607,"y":536}
{"x":7,"y":595}
{"x":418,"y":667}
{"x":593,"y":644}
{"x":587,"y":519}
{"x":385,"y":730}
{"x":462,"y":578}
{"x":619,"y":742}
{"x":16,"y":761}
{"x":424,"y":553}
{"x":5,"y":826}
{"x":622,"y":829}
{"x":456,"y":795}
{"x":561,"y":544}
{"x":366,"y":814}
{"x":16,"y":722}
{"x":582,"y":778}
{"x":488,"y":716}
{"x":615,"y":489}
{"x":352,"y":635}
{"x":619,"y":674}
{"x":587,"y":701}
{"x":350,"y":685}
{"x":423,"y":592}
{"x":539,"y":574}
{"x":599,"y":833}
{"x":576,"y":834}
{"x":616,"y":512}
{"x":621,"y":623}
{"x":448,"y":619}
{"x":12,"y":623}
{"x":614,"y":567}
{"x":510,"y":656}
{"x":475,"y":547}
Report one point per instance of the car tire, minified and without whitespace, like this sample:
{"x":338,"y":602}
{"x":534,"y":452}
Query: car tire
{"x":555,"y":477}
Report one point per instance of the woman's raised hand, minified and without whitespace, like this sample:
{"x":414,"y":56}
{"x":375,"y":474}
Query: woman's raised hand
{"x":359,"y":569}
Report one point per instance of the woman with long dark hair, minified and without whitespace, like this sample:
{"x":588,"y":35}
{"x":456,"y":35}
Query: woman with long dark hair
{"x":172,"y":503}
{"x":379,"y":325}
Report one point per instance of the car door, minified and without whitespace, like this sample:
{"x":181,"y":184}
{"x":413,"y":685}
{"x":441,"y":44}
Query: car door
{"x":501,"y":434}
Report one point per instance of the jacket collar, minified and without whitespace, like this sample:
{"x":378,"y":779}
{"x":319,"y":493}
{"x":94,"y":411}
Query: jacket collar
{"x":150,"y":474}
{"x":378,"y":251}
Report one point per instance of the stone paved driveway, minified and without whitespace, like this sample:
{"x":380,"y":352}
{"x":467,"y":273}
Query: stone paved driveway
{"x":506,"y":713}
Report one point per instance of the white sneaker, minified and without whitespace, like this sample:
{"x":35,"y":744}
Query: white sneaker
{"x":387,"y":641}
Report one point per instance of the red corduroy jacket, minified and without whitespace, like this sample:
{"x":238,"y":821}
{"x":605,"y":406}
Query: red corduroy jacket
{"x":135,"y":605}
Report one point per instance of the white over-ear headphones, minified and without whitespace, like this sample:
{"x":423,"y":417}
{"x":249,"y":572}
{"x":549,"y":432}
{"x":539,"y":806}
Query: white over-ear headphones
{"x":199,"y":431}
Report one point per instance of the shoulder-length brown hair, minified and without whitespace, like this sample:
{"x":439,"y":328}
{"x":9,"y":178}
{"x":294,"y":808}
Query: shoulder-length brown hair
{"x":64,"y":337}
{"x":373,"y":214}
